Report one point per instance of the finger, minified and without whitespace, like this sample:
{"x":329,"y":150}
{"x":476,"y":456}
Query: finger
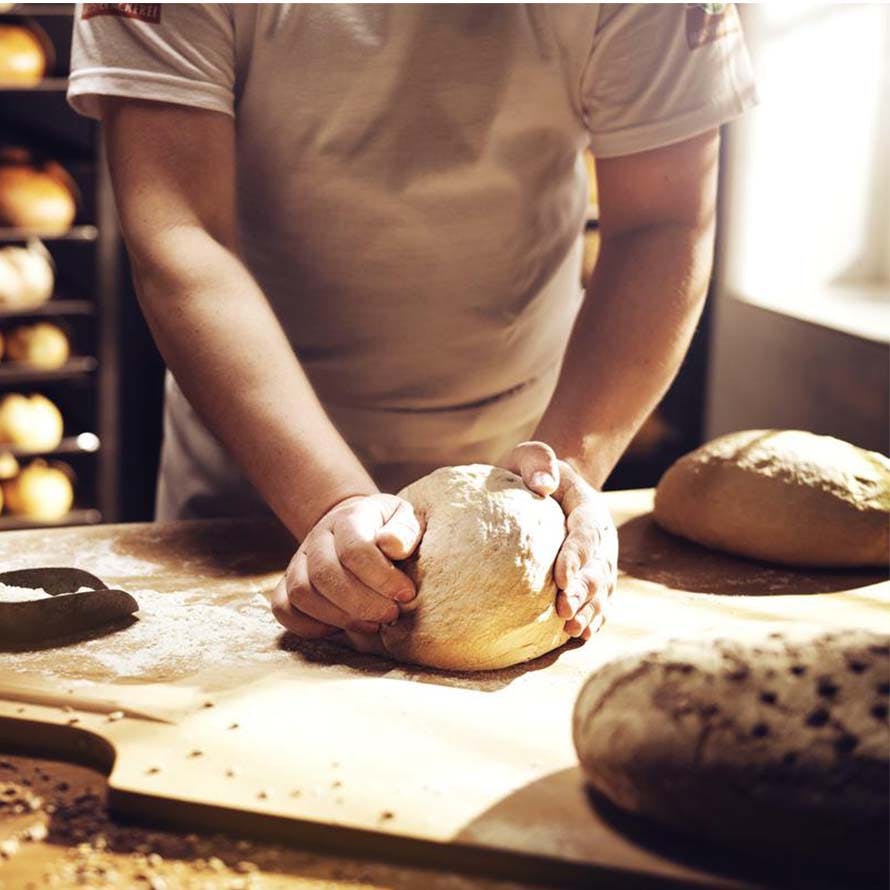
{"x":591,"y":583}
{"x":574,"y":627}
{"x":595,"y":626}
{"x":401,"y":533}
{"x":568,"y":602}
{"x":536,"y":463}
{"x":306,"y":599}
{"x":288,"y":618}
{"x":332,"y":580}
{"x":576,"y":552}
{"x":573,"y":490}
{"x":357,"y":550}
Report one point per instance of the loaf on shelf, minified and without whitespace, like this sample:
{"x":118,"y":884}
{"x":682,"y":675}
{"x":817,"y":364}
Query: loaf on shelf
{"x":35,"y":195}
{"x":27,"y":277}
{"x":26,"y":54}
{"x":32,"y":423}
{"x":41,"y":491}
{"x":42,"y":345}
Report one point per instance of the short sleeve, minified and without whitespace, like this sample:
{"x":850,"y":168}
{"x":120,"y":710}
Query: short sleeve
{"x":661,"y":73}
{"x":182,"y":53}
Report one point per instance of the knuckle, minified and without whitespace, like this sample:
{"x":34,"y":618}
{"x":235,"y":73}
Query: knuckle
{"x":354,"y":552}
{"x":379,"y":612}
{"x":280,"y":610}
{"x":296,"y":596}
{"x":323,"y":576}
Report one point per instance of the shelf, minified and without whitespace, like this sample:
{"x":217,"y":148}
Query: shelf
{"x":75,"y":233}
{"x":34,"y":9}
{"x":52,"y":308}
{"x":86,"y":516}
{"x":85,"y":443}
{"x":47,"y":85}
{"x":12,"y":373}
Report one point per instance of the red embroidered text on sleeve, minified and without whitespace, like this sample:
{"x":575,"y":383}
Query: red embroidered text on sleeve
{"x":143,"y":12}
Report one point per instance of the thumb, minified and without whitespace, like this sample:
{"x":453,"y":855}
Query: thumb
{"x":536,"y":463}
{"x":401,"y":533}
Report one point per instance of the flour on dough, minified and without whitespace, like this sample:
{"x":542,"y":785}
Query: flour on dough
{"x":484,"y":572}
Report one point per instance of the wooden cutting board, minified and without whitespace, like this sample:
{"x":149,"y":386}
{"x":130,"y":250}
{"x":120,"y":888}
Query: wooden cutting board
{"x":230,"y":725}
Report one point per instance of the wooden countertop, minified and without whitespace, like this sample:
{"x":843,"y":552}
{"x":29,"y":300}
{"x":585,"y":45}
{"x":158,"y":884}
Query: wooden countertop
{"x":511,"y":784}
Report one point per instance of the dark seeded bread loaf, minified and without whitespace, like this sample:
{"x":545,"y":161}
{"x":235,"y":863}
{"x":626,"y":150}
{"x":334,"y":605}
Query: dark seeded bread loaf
{"x":773,"y":746}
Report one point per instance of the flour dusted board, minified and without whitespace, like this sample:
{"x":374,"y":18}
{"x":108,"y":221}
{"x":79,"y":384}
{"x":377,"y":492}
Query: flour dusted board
{"x":227,"y":724}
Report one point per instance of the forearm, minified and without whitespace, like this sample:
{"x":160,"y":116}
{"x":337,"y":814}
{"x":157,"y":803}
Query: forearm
{"x":643,"y":303}
{"x":219,"y":336}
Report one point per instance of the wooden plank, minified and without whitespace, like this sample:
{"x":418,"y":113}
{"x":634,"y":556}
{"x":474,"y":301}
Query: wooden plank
{"x":230,"y":724}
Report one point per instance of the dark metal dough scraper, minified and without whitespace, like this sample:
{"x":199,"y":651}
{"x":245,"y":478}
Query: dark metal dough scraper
{"x":65,"y":612}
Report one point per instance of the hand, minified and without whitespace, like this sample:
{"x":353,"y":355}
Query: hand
{"x":342,"y":576}
{"x":586,"y":567}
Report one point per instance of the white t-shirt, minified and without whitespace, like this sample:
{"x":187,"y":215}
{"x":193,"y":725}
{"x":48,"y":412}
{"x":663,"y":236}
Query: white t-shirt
{"x":410,"y":190}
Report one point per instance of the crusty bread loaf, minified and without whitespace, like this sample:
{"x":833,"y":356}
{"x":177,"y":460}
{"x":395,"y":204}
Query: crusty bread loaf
{"x":23,"y":57}
{"x":36,"y":196}
{"x":775,"y":745}
{"x":783,"y":496}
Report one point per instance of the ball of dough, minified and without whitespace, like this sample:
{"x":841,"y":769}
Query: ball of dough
{"x":486,"y":597}
{"x":782,"y":496}
{"x":43,"y":345}
{"x":33,"y":423}
{"x":26,"y":276}
{"x":773,"y":743}
{"x":40,"y":491}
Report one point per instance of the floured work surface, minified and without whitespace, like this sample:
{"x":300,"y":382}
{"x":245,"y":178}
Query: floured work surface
{"x":228,"y":724}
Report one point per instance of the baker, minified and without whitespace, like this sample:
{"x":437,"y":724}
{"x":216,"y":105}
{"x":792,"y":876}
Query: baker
{"x":354,"y":232}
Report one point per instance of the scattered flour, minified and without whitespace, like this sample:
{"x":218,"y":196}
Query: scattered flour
{"x":175,"y":635}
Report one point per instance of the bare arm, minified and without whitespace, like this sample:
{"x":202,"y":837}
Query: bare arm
{"x":644,"y":300}
{"x":173,"y":170}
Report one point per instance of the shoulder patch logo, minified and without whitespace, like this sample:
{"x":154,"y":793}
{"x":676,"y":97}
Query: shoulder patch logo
{"x":143,"y":12}
{"x":708,"y":22}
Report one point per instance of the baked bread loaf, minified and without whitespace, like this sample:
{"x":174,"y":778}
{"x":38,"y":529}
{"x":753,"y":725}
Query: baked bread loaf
{"x":43,"y":345}
{"x":35,"y":196}
{"x":23,"y":57}
{"x":486,"y":597}
{"x":776,"y":745}
{"x":26,"y":276}
{"x":32,"y":423}
{"x":782,"y":496}
{"x":41,"y":491}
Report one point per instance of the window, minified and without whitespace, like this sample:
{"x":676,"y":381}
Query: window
{"x":807,"y":212}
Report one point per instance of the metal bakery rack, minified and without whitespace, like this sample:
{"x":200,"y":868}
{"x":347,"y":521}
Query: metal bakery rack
{"x":84,"y":302}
